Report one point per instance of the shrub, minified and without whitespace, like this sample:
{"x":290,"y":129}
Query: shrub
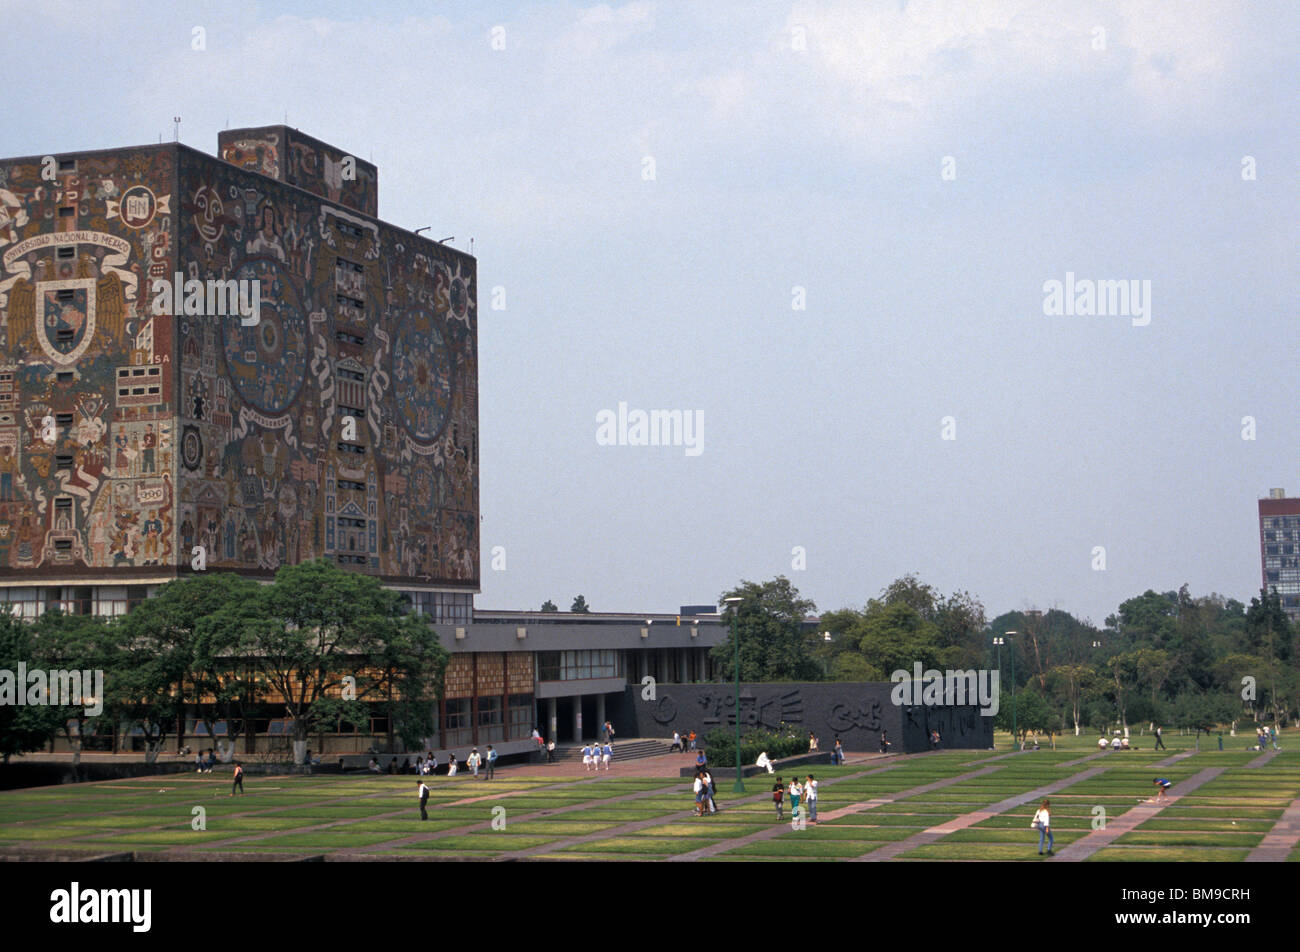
{"x":785,"y":741}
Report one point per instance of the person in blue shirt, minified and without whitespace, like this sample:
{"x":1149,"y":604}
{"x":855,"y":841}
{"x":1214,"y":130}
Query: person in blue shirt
{"x":700,"y":759}
{"x":586,"y":757}
{"x":1162,"y":787}
{"x":606,"y":752}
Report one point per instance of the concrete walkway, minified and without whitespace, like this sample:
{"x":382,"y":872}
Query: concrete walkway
{"x":1084,"y":847}
{"x":626,"y":828}
{"x":1282,"y":839}
{"x":890,"y":850}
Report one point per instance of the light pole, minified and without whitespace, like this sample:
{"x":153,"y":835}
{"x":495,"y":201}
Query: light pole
{"x":735,"y":637}
{"x":1013,"y":691}
{"x":998,"y":640}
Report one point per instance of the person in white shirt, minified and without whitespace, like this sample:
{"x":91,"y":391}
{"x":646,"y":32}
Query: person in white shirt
{"x":763,"y":761}
{"x":473,"y":761}
{"x":796,"y":791}
{"x":1115,"y":744}
{"x":699,"y":788}
{"x":708,"y":792}
{"x":1043,"y":824}
{"x":424,"y":801}
{"x":1102,"y":742}
{"x":451,"y":764}
{"x":810,"y":794}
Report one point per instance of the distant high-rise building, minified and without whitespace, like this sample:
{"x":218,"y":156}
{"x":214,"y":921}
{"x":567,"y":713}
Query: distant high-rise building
{"x":1279,"y":548}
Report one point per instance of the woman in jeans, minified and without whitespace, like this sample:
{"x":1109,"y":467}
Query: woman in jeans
{"x":1043,"y":824}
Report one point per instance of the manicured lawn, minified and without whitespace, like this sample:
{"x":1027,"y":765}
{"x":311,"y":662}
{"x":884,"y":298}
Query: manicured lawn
{"x":1222,"y":820}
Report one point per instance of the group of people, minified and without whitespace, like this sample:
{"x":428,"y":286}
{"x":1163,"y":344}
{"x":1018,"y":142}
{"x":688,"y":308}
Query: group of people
{"x":681,"y":740}
{"x":704,"y":791}
{"x":596,"y":754}
{"x":1121,"y":743}
{"x":1264,"y":736}
{"x":428,"y":764}
{"x":805,"y":792}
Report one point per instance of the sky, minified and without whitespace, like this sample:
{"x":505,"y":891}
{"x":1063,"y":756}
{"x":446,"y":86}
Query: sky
{"x":825,"y":233}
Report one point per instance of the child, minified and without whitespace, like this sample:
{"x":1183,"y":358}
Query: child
{"x":1162,"y":787}
{"x":778,"y":798}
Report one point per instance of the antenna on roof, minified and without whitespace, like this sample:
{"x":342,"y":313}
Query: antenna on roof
{"x":177,"y":128}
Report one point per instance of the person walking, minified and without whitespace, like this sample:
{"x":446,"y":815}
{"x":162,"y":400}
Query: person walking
{"x":606,"y":752}
{"x":491,"y":762}
{"x":586,"y":757}
{"x":550,"y":751}
{"x":796,"y":790}
{"x":239,"y":779}
{"x":810,"y":794}
{"x":884,"y":742}
{"x":698,"y":788}
{"x":451,"y":763}
{"x":473,"y":761}
{"x":778,"y":798}
{"x":424,"y":800}
{"x":838,"y":754}
{"x":709,"y":792}
{"x":677,"y":744}
{"x":1160,"y":742}
{"x":691,"y":736}
{"x":1043,"y":824}
{"x":1272,"y":736}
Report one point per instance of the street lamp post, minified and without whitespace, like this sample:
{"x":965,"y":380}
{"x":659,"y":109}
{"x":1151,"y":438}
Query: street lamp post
{"x":735,"y":637}
{"x":998,"y":640}
{"x":1013,"y":693}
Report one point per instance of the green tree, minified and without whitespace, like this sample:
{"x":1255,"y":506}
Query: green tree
{"x":324,"y":641}
{"x":27,"y":727}
{"x":91,"y":645}
{"x":580,"y":606}
{"x":549,"y":606}
{"x":773,"y":643}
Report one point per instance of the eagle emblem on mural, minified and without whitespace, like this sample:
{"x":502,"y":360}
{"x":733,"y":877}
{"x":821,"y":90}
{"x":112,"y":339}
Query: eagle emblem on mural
{"x":64,"y":317}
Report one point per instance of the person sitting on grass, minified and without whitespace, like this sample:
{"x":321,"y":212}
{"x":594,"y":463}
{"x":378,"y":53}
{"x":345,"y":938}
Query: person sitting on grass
{"x":1102,"y":742}
{"x":1123,"y":744}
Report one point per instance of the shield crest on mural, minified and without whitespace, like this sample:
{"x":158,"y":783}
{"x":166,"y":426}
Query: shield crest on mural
{"x":65,"y":318}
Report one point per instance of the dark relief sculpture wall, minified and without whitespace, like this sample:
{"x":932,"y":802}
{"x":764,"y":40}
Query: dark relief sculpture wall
{"x":855,"y":712}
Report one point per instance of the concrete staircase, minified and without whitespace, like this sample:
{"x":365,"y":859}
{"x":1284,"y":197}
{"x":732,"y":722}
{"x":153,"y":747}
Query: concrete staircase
{"x":623,"y":750}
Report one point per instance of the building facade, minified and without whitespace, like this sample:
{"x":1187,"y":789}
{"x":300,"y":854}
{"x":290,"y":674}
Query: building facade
{"x":1279,"y":549}
{"x":229,"y":364}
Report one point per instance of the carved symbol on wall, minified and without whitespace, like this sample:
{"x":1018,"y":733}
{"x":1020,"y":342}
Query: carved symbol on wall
{"x":665,"y":710}
{"x":864,"y":714}
{"x":770,"y":712}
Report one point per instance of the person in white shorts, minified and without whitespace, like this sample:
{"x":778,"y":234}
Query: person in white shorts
{"x":605,"y":753}
{"x":586,"y":757}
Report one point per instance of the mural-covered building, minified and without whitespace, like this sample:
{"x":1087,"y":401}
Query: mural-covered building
{"x":304,"y":383}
